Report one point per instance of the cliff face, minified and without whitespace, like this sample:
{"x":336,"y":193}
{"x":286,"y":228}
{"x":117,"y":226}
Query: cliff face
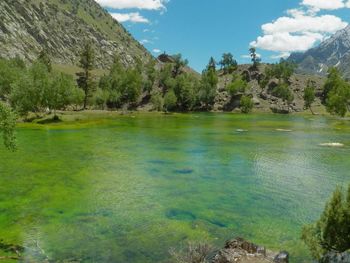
{"x":333,"y":52}
{"x":62,"y":27}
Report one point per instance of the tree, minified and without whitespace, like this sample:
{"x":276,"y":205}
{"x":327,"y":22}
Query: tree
{"x":170,"y":100}
{"x":208,"y":86}
{"x":309,"y":95}
{"x":179,"y":63}
{"x":211,"y":65}
{"x":228,"y":63}
{"x":331,"y":232}
{"x":255,"y":58}
{"x":10,"y":71}
{"x":59,"y":92}
{"x":7,"y":126}
{"x":151,"y":75}
{"x":246,"y":104}
{"x":186,"y":88}
{"x":29,"y":92}
{"x":45,"y":59}
{"x":336,"y":93}
{"x":283,"y":91}
{"x":85,"y":78}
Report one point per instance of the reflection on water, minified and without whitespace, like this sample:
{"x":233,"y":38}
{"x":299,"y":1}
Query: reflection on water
{"x":130,"y":188}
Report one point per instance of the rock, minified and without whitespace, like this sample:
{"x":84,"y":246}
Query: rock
{"x":280,"y":109}
{"x":242,"y":244}
{"x":333,"y":257}
{"x":273,"y":83}
{"x":228,"y":256}
{"x":256,"y":101}
{"x":282,"y":257}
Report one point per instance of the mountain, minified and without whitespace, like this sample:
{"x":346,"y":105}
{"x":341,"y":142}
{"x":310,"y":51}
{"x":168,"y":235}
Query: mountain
{"x":62,"y":27}
{"x":333,"y":52}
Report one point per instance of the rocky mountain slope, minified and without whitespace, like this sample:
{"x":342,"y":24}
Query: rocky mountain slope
{"x":62,"y":27}
{"x":263,"y":99}
{"x":334,"y":51}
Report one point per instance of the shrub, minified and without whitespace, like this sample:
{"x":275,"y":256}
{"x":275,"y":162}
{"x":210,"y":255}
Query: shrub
{"x":246,"y":104}
{"x":237,"y":85}
{"x":170,"y":100}
{"x":332,"y":231}
{"x":282,"y":91}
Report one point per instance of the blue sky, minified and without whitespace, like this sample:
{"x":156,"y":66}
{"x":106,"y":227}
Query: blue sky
{"x":202,"y":28}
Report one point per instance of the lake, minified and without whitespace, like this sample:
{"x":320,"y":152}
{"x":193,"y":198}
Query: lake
{"x":129,"y":188}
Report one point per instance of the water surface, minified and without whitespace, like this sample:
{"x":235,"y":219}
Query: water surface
{"x":126,"y":189}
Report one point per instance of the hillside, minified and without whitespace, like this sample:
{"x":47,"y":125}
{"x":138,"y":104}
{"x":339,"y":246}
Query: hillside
{"x":263,"y":98}
{"x":334,"y":51}
{"x":61,"y":27}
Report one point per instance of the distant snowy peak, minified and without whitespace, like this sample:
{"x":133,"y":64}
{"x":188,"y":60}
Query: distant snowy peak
{"x":333,"y":52}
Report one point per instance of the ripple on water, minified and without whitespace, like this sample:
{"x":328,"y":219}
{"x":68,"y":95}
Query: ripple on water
{"x":183,"y":171}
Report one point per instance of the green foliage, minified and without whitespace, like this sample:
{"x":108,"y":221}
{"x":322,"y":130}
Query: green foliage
{"x":282,"y":70}
{"x":7,"y":126}
{"x":100,"y":98}
{"x":179,"y":63}
{"x":151,"y":75}
{"x":255,"y":58}
{"x":170,"y":101}
{"x":336,"y":93}
{"x":28,"y":94}
{"x":246,"y":104}
{"x":37,"y":89}
{"x":122,"y":85}
{"x":282,"y":91}
{"x":85,"y":78}
{"x":238,"y":85}
{"x":331,"y":232}
{"x":211,"y":65}
{"x":228,"y":63}
{"x":10,"y":71}
{"x":309,"y":95}
{"x":59,"y":92}
{"x":208,"y":87}
{"x":186,"y":88}
{"x":158,"y":101}
{"x":45,"y":59}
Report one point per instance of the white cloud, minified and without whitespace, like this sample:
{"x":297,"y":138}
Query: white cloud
{"x":129,"y":17}
{"x":146,"y":41}
{"x":156,"y":50}
{"x":137,"y":4}
{"x":325,"y":4}
{"x":281,"y":55}
{"x":301,"y":29}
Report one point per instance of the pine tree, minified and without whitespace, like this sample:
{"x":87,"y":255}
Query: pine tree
{"x":255,"y":58}
{"x":309,"y":96}
{"x":85,"y":78}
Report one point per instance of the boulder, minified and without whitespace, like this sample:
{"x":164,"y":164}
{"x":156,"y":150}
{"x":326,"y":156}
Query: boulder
{"x":282,"y":257}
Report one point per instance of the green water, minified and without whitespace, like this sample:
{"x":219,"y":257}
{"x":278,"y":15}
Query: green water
{"x":126,"y":189}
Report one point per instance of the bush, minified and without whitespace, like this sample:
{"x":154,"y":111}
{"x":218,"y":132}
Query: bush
{"x":332,"y":231}
{"x":100,"y":98}
{"x":170,"y":101}
{"x":282,"y":91}
{"x":238,"y":85}
{"x":157,"y":101}
{"x":246,"y":104}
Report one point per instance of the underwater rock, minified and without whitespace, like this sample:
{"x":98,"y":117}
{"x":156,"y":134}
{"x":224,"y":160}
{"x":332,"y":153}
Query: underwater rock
{"x":332,"y":144}
{"x":282,"y":257}
{"x":177,"y":214}
{"x":333,"y":257}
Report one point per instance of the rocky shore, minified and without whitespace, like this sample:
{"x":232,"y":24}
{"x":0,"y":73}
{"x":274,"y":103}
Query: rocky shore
{"x":242,"y":251}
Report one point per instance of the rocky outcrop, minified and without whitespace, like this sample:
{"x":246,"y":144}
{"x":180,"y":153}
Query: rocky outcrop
{"x":242,"y":251}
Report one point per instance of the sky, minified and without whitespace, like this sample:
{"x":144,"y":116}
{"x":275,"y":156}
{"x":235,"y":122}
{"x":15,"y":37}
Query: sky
{"x":199,"y":29}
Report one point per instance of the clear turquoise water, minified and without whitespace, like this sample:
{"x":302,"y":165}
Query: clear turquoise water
{"x":126,"y":189}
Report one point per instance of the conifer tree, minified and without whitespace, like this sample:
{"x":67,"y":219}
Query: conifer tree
{"x":85,"y":77}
